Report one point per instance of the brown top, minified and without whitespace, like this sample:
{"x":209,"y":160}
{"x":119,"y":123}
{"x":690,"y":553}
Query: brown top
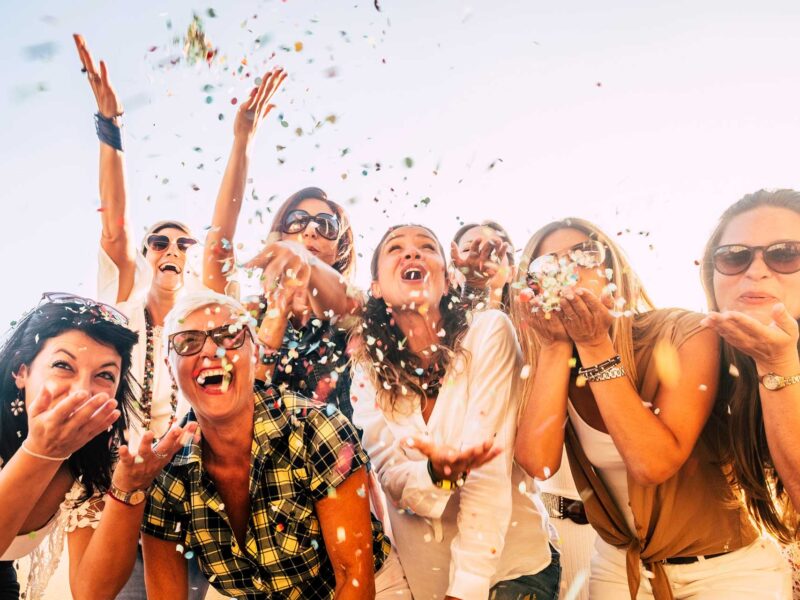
{"x":693,"y":513}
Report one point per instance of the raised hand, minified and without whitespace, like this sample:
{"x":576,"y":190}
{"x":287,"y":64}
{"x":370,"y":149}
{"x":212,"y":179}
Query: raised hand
{"x":548,"y":326}
{"x":587,"y":319}
{"x":137,"y":471}
{"x":108,"y":104}
{"x":283,"y":263}
{"x":772,"y":346}
{"x":257,"y":106}
{"x":57,"y":428}
{"x":481,"y":262}
{"x":450,"y":463}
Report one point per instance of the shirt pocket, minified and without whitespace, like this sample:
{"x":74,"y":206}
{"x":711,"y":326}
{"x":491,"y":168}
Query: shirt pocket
{"x":294,"y":527}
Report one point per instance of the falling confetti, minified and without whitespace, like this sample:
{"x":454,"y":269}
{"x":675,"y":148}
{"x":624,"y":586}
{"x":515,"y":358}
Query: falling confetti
{"x":668,"y":364}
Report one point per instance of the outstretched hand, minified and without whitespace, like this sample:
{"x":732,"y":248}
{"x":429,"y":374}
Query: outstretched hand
{"x":108,"y":104}
{"x":481,"y":262}
{"x":450,"y":463}
{"x":257,"y":106}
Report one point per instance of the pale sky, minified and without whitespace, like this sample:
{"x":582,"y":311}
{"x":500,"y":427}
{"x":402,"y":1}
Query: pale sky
{"x":641,"y":116}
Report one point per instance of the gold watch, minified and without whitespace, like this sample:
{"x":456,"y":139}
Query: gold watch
{"x":132,"y":498}
{"x":773,"y":381}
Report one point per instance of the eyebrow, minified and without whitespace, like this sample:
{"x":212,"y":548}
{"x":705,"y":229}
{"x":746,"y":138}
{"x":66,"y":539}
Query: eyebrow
{"x":418,"y":234}
{"x":73,"y":357}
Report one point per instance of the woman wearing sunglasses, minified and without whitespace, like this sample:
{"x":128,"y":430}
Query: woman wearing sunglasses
{"x":65,"y":392}
{"x":635,"y":387}
{"x":144,"y":284}
{"x":307,"y":267}
{"x":434,"y":396}
{"x":751,"y":276}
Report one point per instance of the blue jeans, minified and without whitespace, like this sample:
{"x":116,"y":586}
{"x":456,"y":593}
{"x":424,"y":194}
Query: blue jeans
{"x":135,"y":590}
{"x":544,"y":585}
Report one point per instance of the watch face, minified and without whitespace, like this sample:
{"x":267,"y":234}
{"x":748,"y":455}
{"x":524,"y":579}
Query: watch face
{"x":772,"y":381}
{"x":137,"y":497}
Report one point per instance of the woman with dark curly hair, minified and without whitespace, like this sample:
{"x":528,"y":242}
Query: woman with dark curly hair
{"x":433,"y":394}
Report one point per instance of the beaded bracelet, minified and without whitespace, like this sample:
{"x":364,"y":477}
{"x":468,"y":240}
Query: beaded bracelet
{"x":608,"y":369}
{"x":108,"y":132}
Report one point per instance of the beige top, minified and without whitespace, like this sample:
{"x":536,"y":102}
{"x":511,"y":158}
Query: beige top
{"x":694,"y":513}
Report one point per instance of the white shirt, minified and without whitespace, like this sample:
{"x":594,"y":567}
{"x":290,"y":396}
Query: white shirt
{"x":493,"y":528}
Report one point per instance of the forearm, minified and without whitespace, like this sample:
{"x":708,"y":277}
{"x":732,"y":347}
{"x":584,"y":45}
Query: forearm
{"x":219,"y":241}
{"x":100,"y":573}
{"x":23,"y":480}
{"x":113,"y":205}
{"x":357,"y":581}
{"x":540,"y":435}
{"x":328,"y":292}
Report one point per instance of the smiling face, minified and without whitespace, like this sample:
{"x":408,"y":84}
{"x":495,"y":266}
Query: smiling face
{"x":71,"y":362}
{"x":560,"y":242}
{"x":324,"y":249}
{"x":410,"y":269}
{"x":168,"y":264}
{"x":759,"y":288}
{"x":217,"y":381}
{"x":505,"y":274}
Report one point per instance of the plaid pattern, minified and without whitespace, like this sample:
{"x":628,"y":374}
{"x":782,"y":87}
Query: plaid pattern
{"x":295,"y":451}
{"x":317,"y":364}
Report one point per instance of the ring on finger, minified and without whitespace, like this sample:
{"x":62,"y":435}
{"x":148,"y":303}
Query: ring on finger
{"x":161,"y":455}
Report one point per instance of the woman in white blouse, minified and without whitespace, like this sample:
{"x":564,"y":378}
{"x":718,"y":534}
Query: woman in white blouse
{"x":434,"y":397}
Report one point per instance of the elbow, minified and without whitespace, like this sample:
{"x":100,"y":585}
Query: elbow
{"x":537,"y":464}
{"x":654,"y":473}
{"x":356,"y":575}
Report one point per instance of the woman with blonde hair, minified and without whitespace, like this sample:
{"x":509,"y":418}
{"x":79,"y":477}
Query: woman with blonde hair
{"x":751,"y":276}
{"x":629,"y":389}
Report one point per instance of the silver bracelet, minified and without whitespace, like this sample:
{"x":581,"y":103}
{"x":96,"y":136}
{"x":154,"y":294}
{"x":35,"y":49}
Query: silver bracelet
{"x":611,"y":373}
{"x":42,"y":456}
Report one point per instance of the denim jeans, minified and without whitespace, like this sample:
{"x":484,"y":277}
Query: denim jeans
{"x":135,"y":590}
{"x":544,"y":585}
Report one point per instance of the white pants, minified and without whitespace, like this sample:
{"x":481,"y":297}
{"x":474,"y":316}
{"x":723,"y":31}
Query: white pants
{"x":755,"y":572}
{"x":390,"y":581}
{"x":577,"y":547}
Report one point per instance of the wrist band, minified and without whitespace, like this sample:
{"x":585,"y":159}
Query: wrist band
{"x":269,"y":356}
{"x":108,"y":132}
{"x":608,"y":369}
{"x":42,"y":456}
{"x":445,"y":484}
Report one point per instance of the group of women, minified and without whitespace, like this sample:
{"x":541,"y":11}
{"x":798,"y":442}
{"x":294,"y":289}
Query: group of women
{"x":469,"y":375}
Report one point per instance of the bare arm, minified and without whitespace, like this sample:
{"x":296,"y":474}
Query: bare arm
{"x":348,"y":513}
{"x":166,"y":575}
{"x":218,"y":255}
{"x":116,"y":239}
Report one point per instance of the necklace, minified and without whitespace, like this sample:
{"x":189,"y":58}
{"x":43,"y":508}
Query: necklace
{"x":146,"y":403}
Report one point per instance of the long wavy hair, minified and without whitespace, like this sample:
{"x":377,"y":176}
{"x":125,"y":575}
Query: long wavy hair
{"x":388,"y":361}
{"x":92,"y":464}
{"x":505,"y":297}
{"x":628,"y":286}
{"x":345,"y":262}
{"x":743,"y":443}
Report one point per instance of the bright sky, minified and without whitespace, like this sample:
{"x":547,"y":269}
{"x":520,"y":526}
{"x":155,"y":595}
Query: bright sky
{"x":648,"y":117}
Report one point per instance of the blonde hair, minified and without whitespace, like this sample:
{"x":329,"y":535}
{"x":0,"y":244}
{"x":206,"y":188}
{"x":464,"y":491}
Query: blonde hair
{"x":628,"y":287}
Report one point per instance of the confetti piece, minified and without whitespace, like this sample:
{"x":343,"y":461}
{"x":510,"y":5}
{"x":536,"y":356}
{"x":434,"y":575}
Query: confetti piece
{"x":733,"y":370}
{"x":341,"y":536}
{"x":668,"y":364}
{"x":525,"y":372}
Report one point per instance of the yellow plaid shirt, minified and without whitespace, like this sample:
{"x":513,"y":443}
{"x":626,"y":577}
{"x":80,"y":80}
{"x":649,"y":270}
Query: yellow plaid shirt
{"x":294,"y":456}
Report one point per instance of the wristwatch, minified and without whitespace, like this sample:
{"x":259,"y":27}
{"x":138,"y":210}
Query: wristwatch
{"x":773,"y":381}
{"x":131,"y":498}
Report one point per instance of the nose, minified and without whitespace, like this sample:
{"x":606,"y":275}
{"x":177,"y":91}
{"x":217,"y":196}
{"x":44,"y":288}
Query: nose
{"x":758,"y":269}
{"x":411,"y":253}
{"x":310,"y":230}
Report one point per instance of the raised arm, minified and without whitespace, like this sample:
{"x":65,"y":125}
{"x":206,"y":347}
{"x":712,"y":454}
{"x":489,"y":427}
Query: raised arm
{"x":116,"y":239}
{"x":218,"y":255}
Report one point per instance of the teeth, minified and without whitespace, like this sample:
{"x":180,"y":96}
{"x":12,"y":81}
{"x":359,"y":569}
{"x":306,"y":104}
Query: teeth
{"x":201,"y":379}
{"x":412,"y":275}
{"x":170,"y":266}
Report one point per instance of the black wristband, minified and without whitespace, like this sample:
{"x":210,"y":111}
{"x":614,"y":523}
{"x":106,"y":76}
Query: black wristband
{"x":108,"y":132}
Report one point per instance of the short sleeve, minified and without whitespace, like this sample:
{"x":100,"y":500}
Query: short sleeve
{"x":160,"y":519}
{"x":333,"y":450}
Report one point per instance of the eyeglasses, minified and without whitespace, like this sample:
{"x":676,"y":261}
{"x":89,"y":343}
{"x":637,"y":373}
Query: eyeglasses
{"x":296,"y":221}
{"x":781,"y":257}
{"x":190,"y":342}
{"x":159,"y":243}
{"x":589,"y":255}
{"x":104,"y":311}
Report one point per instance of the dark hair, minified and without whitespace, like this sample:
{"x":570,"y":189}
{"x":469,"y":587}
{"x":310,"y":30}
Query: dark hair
{"x":160,"y":226}
{"x":345,"y":262}
{"x":389,"y":361}
{"x":743,"y":442}
{"x":503,"y":235}
{"x":93,"y":462}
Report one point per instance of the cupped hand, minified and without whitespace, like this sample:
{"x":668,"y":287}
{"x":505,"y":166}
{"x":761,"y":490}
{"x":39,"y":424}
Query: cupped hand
{"x":57,"y":428}
{"x":587,"y":319}
{"x":452,"y":464}
{"x":108,"y":104}
{"x":481,"y":261}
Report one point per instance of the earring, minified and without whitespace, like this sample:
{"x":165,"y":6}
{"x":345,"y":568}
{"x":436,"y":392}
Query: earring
{"x":18,"y":404}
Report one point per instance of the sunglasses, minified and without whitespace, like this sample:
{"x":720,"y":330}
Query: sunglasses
{"x":159,"y":243}
{"x":296,"y":221}
{"x":781,"y":257}
{"x":104,"y":311}
{"x":190,"y":342}
{"x":589,"y":255}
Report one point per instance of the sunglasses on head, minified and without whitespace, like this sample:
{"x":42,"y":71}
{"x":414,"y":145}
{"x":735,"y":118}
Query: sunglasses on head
{"x":158,"y":242}
{"x":296,"y":221}
{"x":99,"y":309}
{"x":781,"y":257}
{"x":589,"y":255}
{"x":190,"y":342}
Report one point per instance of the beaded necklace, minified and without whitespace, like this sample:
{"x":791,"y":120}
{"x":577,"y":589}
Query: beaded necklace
{"x":146,"y":403}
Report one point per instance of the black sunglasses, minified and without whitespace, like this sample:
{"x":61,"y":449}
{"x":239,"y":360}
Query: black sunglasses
{"x":104,"y":311}
{"x":191,"y":341}
{"x":781,"y":257}
{"x":296,"y":221}
{"x":159,"y":243}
